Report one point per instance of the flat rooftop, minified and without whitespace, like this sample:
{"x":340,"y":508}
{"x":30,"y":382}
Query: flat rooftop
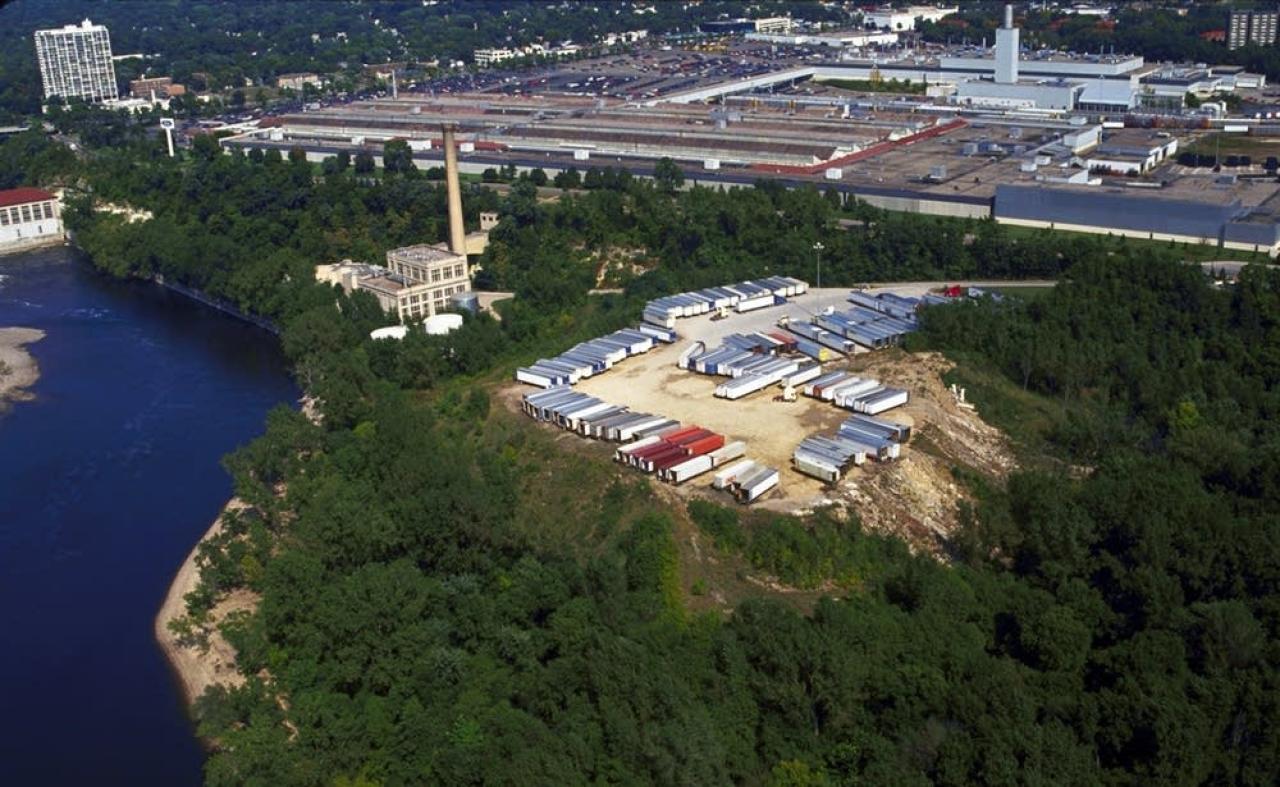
{"x":425,"y":252}
{"x":389,"y":283}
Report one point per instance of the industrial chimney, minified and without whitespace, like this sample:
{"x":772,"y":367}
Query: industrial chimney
{"x":1007,"y":50}
{"x":457,"y":231}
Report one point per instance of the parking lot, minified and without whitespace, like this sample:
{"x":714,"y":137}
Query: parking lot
{"x":653,"y":383}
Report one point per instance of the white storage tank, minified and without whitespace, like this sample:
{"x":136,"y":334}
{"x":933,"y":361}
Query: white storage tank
{"x":440,"y":324}
{"x":390,"y":332}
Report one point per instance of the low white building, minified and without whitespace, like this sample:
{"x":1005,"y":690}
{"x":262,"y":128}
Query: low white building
{"x":29,"y":218}
{"x":905,"y":18}
{"x":846,"y":38}
{"x":1131,"y":152}
{"x":773,"y":24}
{"x":1047,"y":94}
{"x":1083,"y":138}
{"x":298,"y":81}
{"x":487,"y":57}
{"x":628,"y":37}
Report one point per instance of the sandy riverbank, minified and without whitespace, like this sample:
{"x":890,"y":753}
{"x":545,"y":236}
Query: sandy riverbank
{"x":199,"y":666}
{"x":18,"y":370}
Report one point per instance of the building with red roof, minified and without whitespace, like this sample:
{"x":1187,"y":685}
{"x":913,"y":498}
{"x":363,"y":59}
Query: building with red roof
{"x":29,"y":218}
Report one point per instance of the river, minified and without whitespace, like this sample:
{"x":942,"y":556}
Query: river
{"x":107,"y":480}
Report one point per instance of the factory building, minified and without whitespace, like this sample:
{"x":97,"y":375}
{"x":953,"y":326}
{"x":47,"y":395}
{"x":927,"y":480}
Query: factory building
{"x":1055,"y":94}
{"x":430,"y":264}
{"x":1130,"y":151}
{"x":28,"y":218}
{"x":418,"y":281}
{"x":75,"y":62}
{"x":443,"y":267}
{"x":1008,"y":86}
{"x":1048,"y":64}
{"x":1108,"y":95}
{"x":408,"y":300}
{"x":1138,"y":215}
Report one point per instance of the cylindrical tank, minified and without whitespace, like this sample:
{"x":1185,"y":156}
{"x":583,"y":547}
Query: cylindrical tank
{"x":440,"y":324}
{"x":390,"y":332}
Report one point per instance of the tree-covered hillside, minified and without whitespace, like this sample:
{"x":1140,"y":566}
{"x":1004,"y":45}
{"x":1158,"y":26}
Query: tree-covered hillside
{"x":450,"y":596}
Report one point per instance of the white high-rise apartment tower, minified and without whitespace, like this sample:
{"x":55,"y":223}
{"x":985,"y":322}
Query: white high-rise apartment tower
{"x":75,"y":61}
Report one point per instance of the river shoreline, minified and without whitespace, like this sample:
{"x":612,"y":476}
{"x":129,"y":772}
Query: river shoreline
{"x":122,"y":453}
{"x":199,"y":666}
{"x":21,"y":370}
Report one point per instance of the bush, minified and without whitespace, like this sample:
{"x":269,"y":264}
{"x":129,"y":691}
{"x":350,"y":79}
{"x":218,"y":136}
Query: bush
{"x":720,"y":523}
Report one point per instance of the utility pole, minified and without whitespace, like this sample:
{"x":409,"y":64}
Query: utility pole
{"x":817,"y":258}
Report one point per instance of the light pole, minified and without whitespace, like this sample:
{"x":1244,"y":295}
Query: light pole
{"x":817,"y":258}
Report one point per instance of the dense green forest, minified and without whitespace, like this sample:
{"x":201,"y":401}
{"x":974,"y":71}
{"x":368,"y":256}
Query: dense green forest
{"x":1117,"y":626}
{"x":450,"y":597}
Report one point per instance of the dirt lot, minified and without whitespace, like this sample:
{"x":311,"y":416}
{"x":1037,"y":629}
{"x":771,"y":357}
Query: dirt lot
{"x":914,"y":497}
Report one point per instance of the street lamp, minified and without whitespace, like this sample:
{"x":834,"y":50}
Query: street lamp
{"x":817,"y":258}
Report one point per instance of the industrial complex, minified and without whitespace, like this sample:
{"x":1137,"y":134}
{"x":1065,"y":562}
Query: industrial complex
{"x":1046,"y":139}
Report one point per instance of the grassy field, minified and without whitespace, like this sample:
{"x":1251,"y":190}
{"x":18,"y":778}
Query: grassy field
{"x":1234,"y":145}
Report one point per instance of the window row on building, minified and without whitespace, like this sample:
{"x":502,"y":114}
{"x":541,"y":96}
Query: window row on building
{"x":23,"y":214}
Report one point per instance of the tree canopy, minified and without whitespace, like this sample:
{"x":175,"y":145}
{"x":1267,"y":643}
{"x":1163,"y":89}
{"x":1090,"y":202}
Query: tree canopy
{"x":449,"y":596}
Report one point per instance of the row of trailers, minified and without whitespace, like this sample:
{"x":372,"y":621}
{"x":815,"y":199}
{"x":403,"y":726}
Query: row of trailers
{"x":860,"y":394}
{"x":752,"y":362}
{"x":874,"y":321}
{"x":593,"y":357}
{"x":652,"y":443}
{"x":741,"y":297}
{"x":860,"y":437}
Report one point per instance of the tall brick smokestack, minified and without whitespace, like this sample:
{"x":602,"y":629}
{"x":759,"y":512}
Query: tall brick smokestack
{"x":457,"y":230}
